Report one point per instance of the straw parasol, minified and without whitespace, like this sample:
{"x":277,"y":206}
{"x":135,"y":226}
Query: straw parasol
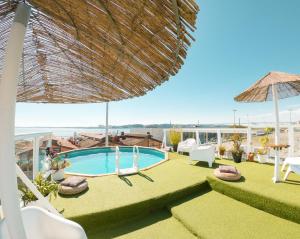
{"x":99,"y":50}
{"x":273,"y":86}
{"x":82,"y":51}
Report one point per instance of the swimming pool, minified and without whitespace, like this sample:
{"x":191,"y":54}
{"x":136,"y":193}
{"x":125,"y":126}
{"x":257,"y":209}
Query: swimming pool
{"x":99,"y":161}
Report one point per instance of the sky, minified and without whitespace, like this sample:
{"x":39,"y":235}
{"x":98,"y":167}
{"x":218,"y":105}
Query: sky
{"x":237,"y":43}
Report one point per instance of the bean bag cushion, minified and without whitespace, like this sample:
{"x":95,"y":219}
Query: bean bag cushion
{"x":73,"y":181}
{"x":67,"y":190}
{"x":227,"y":176}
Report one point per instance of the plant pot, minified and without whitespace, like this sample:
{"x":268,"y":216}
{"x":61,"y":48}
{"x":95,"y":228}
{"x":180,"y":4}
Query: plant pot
{"x":221,"y":153}
{"x":237,"y":157}
{"x":58,"y":175}
{"x":251,"y":157}
{"x":262,"y":158}
{"x":175,"y":148}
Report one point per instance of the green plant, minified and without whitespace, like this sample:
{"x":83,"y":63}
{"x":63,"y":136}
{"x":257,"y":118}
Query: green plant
{"x":237,"y":141}
{"x":46,"y":187}
{"x":236,"y":150}
{"x":264,"y":140}
{"x":262,"y":151}
{"x":58,"y":163}
{"x":175,"y":137}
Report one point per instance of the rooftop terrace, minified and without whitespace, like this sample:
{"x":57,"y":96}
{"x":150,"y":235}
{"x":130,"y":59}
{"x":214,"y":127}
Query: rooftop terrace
{"x":187,"y":201}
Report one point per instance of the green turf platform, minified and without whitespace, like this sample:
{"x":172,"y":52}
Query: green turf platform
{"x":158,"y":225}
{"x":260,"y":200}
{"x":214,"y":215}
{"x":112,"y":201}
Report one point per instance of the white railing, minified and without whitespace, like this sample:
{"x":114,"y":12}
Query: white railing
{"x":35,"y":137}
{"x":43,"y":201}
{"x":249,"y":132}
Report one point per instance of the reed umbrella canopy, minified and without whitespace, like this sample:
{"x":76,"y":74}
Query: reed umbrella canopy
{"x":99,"y":50}
{"x":273,"y":86}
{"x":287,"y":85}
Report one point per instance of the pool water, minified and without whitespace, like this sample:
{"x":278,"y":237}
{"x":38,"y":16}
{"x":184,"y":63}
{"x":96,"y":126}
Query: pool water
{"x":102,"y":160}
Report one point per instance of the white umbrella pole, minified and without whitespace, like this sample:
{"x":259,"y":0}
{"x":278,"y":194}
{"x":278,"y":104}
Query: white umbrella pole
{"x":106,"y":126}
{"x":276,"y":177}
{"x":8,"y":91}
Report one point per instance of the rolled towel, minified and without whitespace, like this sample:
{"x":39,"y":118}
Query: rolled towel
{"x":227,"y":169}
{"x":73,"y":181}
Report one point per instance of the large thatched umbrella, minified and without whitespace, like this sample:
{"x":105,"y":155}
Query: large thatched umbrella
{"x":273,"y":86}
{"x":79,"y":51}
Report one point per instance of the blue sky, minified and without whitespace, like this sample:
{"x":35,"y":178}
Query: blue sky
{"x":237,"y":42}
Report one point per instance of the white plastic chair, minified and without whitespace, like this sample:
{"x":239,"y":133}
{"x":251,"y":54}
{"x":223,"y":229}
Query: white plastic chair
{"x":204,"y":153}
{"x":41,"y":224}
{"x":293,"y":166}
{"x":187,"y":145}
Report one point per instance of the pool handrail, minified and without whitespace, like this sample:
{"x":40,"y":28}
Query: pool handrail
{"x":117,"y":160}
{"x":136,"y":157}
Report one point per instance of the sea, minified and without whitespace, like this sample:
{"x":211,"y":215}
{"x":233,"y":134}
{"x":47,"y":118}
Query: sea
{"x":67,"y":131}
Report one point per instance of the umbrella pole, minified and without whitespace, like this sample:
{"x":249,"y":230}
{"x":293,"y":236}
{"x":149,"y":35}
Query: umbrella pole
{"x":276,"y":177}
{"x":8,"y":91}
{"x":106,"y":126}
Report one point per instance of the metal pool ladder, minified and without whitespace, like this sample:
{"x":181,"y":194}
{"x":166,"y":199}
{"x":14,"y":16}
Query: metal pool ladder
{"x":135,"y":167}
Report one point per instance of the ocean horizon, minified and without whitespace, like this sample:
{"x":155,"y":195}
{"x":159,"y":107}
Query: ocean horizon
{"x":65,"y":131}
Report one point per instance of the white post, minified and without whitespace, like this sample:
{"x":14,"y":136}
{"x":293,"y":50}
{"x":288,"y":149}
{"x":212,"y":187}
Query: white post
{"x":36,"y":156}
{"x":8,"y":91}
{"x":276,"y":177}
{"x":49,"y":143}
{"x":181,"y":135}
{"x":219,"y":138}
{"x":106,"y":126}
{"x":291,"y":140}
{"x":197,"y":138}
{"x":249,"y":139}
{"x":164,"y":142}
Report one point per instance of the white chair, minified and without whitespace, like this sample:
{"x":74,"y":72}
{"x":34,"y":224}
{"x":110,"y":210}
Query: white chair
{"x":293,"y":166}
{"x":204,"y":153}
{"x":186,"y":146}
{"x":41,"y":224}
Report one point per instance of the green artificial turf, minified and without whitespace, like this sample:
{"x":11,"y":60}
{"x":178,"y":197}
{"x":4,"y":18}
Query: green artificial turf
{"x":159,"y":225}
{"x":257,"y":199}
{"x":213,"y":215}
{"x":112,"y":201}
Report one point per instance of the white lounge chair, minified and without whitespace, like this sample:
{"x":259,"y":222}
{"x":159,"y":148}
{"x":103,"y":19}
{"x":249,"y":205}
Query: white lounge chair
{"x":204,"y":153}
{"x":186,"y":146}
{"x":293,"y":166}
{"x":41,"y":224}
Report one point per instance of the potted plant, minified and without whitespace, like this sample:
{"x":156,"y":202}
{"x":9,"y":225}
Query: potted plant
{"x":46,"y":187}
{"x":262,"y":153}
{"x":237,"y":151}
{"x":175,"y":138}
{"x":57,"y":166}
{"x":222,"y":151}
{"x":251,"y":156}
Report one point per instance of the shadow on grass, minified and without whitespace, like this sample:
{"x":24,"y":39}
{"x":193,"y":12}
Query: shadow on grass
{"x":293,"y":182}
{"x":126,"y":180}
{"x":205,"y":164}
{"x":145,"y":176}
{"x":131,"y":225}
